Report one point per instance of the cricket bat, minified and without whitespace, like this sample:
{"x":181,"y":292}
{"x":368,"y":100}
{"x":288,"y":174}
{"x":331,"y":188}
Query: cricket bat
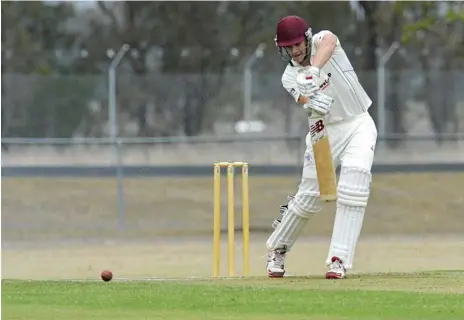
{"x":325,"y":169}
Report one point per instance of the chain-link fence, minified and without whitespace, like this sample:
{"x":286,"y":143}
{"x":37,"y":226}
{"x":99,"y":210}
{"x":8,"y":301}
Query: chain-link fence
{"x":194,"y":104}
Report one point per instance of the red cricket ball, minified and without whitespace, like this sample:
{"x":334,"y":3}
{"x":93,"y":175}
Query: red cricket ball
{"x":106,"y":275}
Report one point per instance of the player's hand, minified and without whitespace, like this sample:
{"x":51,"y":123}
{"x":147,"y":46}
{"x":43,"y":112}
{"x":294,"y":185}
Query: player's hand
{"x":319,"y":102}
{"x":306,"y":81}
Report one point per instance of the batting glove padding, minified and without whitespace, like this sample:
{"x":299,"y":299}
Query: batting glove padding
{"x":319,"y":102}
{"x":306,"y":82}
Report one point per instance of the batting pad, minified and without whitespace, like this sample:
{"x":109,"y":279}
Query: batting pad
{"x":300,"y":210}
{"x":353,"y":193}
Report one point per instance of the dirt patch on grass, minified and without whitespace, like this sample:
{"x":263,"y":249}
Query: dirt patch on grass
{"x":193,"y":257}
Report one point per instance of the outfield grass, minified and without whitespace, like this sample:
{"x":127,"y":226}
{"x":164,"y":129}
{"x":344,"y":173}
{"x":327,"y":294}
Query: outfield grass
{"x":435,"y":295}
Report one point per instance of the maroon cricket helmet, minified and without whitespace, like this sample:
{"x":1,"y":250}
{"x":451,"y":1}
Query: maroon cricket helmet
{"x":291,"y":30}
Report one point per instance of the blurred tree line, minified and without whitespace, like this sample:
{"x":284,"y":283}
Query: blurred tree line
{"x":196,"y":47}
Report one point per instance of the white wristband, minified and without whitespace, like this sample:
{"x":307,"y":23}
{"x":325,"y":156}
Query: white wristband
{"x":314,"y":71}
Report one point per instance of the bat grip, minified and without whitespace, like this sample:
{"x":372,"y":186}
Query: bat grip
{"x":313,"y":114}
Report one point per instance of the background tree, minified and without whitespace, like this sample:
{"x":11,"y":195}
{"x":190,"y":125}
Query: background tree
{"x":436,"y":30}
{"x":35,"y":40}
{"x":184,"y":72}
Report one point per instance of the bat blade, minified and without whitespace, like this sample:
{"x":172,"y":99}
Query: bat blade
{"x":323,"y":159}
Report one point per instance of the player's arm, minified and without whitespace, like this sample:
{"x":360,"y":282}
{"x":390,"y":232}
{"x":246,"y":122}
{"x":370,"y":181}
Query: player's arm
{"x":303,"y":99}
{"x":320,"y":102}
{"x":289,"y":83}
{"x":326,"y":44}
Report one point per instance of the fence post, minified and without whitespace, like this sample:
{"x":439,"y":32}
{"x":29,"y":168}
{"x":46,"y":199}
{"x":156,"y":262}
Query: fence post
{"x":381,"y":88}
{"x":120,"y":182}
{"x":248,"y":82}
{"x":113,"y":132}
{"x":112,"y":89}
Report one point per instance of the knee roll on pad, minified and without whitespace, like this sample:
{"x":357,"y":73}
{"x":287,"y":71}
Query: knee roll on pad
{"x":354,"y":187}
{"x":306,"y":204}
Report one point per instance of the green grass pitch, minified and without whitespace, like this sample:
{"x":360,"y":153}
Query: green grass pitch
{"x":432,"y":295}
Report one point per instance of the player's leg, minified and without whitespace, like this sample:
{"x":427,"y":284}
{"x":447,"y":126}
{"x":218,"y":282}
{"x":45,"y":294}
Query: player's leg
{"x":353,"y":193}
{"x":299,"y":210}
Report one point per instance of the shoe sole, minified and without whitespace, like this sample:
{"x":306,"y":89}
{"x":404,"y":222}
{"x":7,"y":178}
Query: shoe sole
{"x":334,"y":276}
{"x":275,"y":274}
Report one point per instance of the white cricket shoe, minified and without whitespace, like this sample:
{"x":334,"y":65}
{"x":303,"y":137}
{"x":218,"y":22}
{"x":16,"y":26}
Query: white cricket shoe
{"x":275,"y":263}
{"x":336,"y":269}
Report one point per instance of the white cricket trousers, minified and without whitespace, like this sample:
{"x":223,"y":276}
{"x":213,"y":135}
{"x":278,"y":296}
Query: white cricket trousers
{"x":352,"y":143}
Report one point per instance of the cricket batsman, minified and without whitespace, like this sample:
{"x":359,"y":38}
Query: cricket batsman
{"x":333,"y":90}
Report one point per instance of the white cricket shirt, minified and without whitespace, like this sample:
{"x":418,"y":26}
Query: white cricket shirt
{"x":338,"y":80}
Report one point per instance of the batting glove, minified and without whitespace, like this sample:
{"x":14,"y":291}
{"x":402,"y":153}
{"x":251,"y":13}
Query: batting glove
{"x":306,"y":81}
{"x":319,"y":102}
